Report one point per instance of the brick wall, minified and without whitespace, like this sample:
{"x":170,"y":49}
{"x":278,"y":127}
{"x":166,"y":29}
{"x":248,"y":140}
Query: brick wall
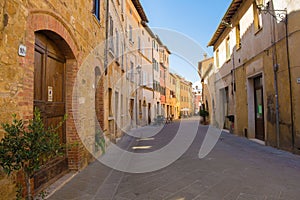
{"x":81,"y":32}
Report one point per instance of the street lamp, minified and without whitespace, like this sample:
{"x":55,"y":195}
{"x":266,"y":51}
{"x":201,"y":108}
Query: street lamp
{"x":281,"y":14}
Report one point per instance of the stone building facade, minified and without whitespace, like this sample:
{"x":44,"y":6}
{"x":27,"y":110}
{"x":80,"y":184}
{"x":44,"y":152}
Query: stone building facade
{"x":171,"y":99}
{"x":255,"y":51}
{"x":145,"y":89}
{"x":206,"y":71}
{"x":53,"y":39}
{"x":185,"y":98}
{"x":164,"y":54}
{"x":114,"y":79}
{"x":96,"y":62}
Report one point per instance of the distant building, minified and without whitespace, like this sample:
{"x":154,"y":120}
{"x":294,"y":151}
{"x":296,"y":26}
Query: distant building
{"x":146,"y":87}
{"x":114,"y":80}
{"x":206,"y":70}
{"x":197,"y":97}
{"x":164,"y":55}
{"x":186,"y":101}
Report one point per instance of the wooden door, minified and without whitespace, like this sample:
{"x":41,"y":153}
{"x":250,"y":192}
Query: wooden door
{"x":131,"y":106}
{"x":259,"y":109}
{"x":149,"y":113}
{"x":49,"y":97}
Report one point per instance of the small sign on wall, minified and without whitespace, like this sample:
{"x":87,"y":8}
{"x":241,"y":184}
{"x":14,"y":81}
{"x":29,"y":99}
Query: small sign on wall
{"x":50,"y":93}
{"x":22,"y":50}
{"x":298,"y":80}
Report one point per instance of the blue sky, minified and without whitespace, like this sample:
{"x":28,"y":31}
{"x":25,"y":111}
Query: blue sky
{"x":195,"y":20}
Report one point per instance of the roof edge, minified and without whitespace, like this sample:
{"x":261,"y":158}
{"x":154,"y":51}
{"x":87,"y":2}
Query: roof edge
{"x":233,"y":7}
{"x":137,"y":4}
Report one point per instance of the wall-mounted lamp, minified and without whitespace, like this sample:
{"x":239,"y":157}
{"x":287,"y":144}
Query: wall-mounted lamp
{"x":279,"y":15}
{"x":227,"y":24}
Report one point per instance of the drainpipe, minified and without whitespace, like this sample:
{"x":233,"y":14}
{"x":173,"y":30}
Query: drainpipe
{"x":290,"y":79}
{"x":106,"y":37}
{"x":275,"y":69}
{"x":232,"y":125}
{"x":276,"y":104}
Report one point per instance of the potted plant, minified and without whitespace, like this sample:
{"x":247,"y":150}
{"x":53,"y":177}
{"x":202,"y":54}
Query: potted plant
{"x":204,"y":114}
{"x":27,"y":148}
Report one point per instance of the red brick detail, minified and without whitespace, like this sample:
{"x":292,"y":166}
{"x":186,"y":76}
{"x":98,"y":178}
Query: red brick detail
{"x":41,"y":20}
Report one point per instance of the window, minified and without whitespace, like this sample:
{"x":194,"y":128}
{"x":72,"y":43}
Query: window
{"x":228,"y":48}
{"x":122,"y":104}
{"x":130,"y":33}
{"x":117,"y":45}
{"x":96,"y":9}
{"x":111,"y":34}
{"x":109,"y":102}
{"x":155,"y":65}
{"x":116,"y":111}
{"x":156,"y":86}
{"x":257,"y":18}
{"x":217,"y":59}
{"x":122,"y":56}
{"x":122,"y":6}
{"x":131,"y":70}
{"x":140,"y":106}
{"x":238,"y":36}
{"x":139,"y":43}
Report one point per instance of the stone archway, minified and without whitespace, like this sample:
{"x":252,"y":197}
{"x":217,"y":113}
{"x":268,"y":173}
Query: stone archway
{"x":61,"y":37}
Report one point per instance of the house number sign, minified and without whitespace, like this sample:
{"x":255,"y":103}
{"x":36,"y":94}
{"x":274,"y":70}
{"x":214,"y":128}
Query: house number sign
{"x":298,"y":80}
{"x":22,"y":50}
{"x":50,"y":93}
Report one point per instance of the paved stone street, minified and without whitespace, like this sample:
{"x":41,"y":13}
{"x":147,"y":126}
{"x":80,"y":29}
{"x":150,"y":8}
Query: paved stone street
{"x":237,"y":168}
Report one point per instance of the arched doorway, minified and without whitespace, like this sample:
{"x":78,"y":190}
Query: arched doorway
{"x":50,"y":95}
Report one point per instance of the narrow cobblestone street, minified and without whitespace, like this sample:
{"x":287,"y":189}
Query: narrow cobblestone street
{"x":121,"y":100}
{"x":237,"y":168}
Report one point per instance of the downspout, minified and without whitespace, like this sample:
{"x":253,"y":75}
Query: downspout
{"x":232,"y":125}
{"x":275,"y":69}
{"x":106,"y":38}
{"x":290,"y":79}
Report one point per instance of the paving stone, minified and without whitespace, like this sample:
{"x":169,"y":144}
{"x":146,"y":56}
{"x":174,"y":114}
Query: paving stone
{"x":236,"y":168}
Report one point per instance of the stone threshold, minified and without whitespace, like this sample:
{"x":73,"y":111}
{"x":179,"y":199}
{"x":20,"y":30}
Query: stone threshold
{"x":51,"y":189}
{"x":257,"y":141}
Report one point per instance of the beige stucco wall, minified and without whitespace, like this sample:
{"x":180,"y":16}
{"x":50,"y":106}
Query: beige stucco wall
{"x":256,"y":57}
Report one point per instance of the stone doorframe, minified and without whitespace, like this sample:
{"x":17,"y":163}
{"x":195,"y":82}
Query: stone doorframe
{"x":251,"y":106}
